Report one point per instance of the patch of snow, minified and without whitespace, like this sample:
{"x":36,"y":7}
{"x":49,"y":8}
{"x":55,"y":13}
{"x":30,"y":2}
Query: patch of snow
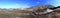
{"x":49,"y":10}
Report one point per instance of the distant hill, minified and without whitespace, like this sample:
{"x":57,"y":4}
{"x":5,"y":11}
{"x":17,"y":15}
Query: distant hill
{"x":42,"y":6}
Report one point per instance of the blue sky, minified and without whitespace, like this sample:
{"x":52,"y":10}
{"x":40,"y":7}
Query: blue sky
{"x":26,"y":3}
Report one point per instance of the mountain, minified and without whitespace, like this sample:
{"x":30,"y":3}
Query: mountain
{"x":44,"y":6}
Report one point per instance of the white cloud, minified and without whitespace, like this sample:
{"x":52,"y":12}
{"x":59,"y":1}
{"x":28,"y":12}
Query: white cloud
{"x":55,"y":2}
{"x":26,"y":5}
{"x":38,"y":2}
{"x":17,"y":4}
{"x":23,"y":5}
